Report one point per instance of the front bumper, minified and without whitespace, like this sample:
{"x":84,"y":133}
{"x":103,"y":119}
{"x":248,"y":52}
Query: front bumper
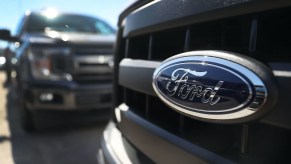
{"x":158,"y":146}
{"x":68,"y":97}
{"x":112,"y":149}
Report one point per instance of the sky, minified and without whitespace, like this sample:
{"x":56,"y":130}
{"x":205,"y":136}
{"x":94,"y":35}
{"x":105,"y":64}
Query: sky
{"x":12,"y":10}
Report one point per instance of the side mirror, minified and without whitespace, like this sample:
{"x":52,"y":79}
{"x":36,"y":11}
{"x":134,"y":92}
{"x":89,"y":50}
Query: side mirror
{"x":5,"y":35}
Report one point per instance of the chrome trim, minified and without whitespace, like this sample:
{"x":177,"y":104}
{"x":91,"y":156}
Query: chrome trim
{"x":92,"y":59}
{"x":92,"y":63}
{"x":114,"y":144}
{"x":207,"y":56}
{"x":282,"y":73}
{"x":145,"y":6}
{"x":127,"y":62}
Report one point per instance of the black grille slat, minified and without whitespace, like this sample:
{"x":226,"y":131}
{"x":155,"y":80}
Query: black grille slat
{"x":187,"y":40}
{"x":138,"y":47}
{"x":126,"y":50}
{"x":274,"y":36}
{"x":227,"y":35}
{"x":253,"y":36}
{"x":160,"y":114}
{"x":93,"y":49}
{"x":92,"y":78}
{"x":150,"y":51}
{"x":137,"y":101}
{"x":168,"y":43}
{"x":223,"y":139}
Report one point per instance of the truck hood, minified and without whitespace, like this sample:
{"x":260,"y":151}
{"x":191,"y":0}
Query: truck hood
{"x":52,"y":37}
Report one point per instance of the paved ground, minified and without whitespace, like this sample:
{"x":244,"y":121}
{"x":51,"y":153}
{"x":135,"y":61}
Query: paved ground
{"x":54,"y":143}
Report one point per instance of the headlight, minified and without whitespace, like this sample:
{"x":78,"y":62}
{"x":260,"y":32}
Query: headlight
{"x":41,"y":61}
{"x":2,"y":60}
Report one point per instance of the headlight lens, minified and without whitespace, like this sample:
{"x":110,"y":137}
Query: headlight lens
{"x":41,"y":61}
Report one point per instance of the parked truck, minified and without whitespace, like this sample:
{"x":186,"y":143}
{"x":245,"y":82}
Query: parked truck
{"x":62,"y":62}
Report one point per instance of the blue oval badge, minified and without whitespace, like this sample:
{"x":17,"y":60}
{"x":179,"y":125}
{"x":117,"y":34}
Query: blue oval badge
{"x":206,"y":86}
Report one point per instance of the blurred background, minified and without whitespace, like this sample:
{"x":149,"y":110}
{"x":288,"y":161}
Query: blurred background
{"x":54,"y":141}
{"x":12,"y":10}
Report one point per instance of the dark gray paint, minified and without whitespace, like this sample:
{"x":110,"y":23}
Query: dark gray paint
{"x":178,"y":13}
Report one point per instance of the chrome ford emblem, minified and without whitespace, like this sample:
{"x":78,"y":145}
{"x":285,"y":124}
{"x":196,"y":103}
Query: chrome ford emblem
{"x":214,"y":86}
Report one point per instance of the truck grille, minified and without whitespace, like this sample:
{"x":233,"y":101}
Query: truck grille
{"x":91,"y":64}
{"x":265,"y":36}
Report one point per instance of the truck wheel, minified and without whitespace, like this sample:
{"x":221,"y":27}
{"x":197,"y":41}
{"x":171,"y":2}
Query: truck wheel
{"x":26,"y":120}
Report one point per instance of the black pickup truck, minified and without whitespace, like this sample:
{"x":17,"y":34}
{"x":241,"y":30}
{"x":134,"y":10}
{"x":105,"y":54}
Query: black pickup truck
{"x":62,"y":62}
{"x":201,"y":81}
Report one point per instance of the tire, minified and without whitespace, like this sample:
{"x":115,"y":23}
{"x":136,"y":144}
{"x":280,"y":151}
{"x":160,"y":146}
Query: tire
{"x":26,"y":120}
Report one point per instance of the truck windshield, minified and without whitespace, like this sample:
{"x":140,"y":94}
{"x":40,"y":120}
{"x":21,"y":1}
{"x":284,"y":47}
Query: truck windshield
{"x":68,"y":23}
